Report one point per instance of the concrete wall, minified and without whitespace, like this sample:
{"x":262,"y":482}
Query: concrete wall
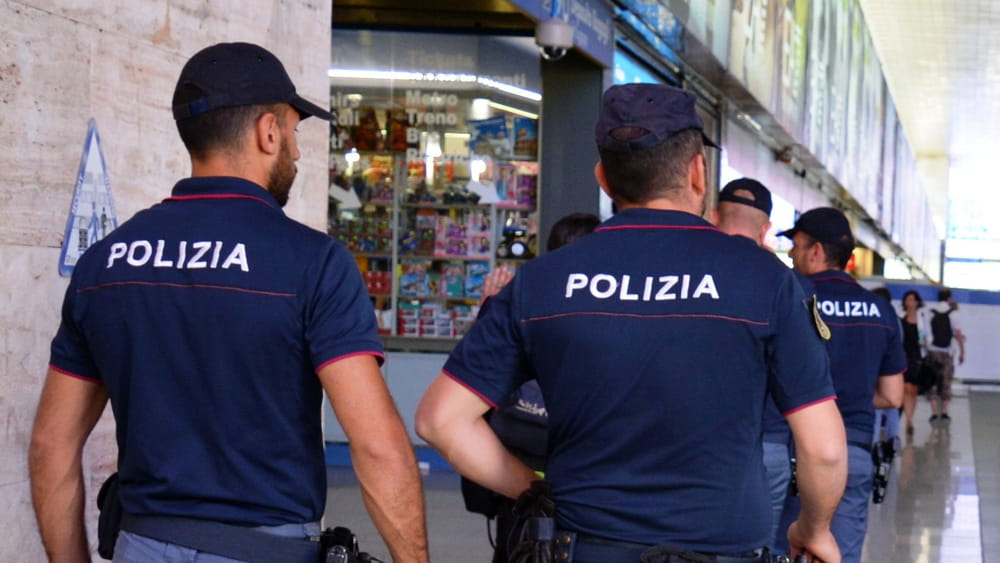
{"x":61,"y":63}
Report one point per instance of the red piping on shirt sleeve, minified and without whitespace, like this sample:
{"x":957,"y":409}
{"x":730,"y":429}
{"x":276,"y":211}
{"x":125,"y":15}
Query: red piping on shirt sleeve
{"x":76,"y":375}
{"x":476,"y":393}
{"x":379,"y":357}
{"x":807,"y":405}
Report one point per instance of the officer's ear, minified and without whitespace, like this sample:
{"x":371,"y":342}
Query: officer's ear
{"x":268,"y":134}
{"x":817,"y":254}
{"x":696,"y":174}
{"x":602,"y":180}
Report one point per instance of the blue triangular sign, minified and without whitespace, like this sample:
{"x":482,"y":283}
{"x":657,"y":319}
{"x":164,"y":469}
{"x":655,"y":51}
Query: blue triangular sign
{"x":92,"y":214}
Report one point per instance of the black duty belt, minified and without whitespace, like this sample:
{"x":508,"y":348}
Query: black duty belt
{"x":569,"y":546}
{"x":236,"y":542}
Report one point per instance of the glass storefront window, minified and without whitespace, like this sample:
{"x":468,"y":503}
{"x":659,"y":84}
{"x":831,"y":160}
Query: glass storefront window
{"x":433,"y":168}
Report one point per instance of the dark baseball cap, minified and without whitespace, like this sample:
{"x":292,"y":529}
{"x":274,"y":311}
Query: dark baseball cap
{"x":825,"y":224}
{"x":661,"y":110}
{"x":760,"y":196}
{"x":236,"y":74}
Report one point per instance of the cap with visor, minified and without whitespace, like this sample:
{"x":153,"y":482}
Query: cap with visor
{"x":237,"y":74}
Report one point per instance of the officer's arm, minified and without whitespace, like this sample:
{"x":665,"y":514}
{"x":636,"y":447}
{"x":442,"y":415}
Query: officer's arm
{"x":450,"y":418}
{"x":821,"y":474}
{"x":888,"y":392}
{"x":67,"y":412}
{"x":381,"y":452}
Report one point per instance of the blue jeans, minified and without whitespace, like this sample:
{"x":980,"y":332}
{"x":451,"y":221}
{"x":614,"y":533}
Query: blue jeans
{"x":891,"y":417}
{"x":779,"y":474}
{"x":133,"y":548}
{"x":850,"y":522}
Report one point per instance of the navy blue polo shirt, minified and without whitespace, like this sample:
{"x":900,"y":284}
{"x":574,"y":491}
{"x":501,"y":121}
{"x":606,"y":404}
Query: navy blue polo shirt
{"x":206,"y":318}
{"x":776,"y":428}
{"x":655,"y":341}
{"x":865,"y":344}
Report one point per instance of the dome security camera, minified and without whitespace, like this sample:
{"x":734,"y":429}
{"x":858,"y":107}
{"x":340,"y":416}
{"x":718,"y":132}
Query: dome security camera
{"x":554,"y":38}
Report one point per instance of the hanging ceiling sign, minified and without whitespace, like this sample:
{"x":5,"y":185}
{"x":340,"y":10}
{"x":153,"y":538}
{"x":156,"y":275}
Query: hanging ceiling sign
{"x":92,"y":213}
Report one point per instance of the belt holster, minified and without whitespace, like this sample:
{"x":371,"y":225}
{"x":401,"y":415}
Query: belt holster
{"x":535,"y":525}
{"x":109,"y":521}
{"x":562,"y":546}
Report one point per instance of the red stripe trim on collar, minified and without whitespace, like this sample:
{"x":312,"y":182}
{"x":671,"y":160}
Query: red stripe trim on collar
{"x":836,"y":279}
{"x":636,"y":227}
{"x":219,"y":196}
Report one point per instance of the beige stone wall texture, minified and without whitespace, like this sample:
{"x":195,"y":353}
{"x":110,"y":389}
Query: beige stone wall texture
{"x":63,"y":62}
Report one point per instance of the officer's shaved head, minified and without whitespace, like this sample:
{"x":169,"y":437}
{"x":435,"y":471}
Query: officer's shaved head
{"x":740,"y":219}
{"x":744,"y":209}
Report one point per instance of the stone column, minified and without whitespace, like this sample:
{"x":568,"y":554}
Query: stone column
{"x":62,"y":63}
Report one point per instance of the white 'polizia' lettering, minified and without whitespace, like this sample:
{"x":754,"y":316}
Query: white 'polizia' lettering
{"x":139,"y":253}
{"x":849,"y":309}
{"x":646,"y":288}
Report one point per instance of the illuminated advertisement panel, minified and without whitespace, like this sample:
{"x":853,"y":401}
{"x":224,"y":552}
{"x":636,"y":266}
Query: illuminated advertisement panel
{"x":850,"y":169}
{"x":889,"y":127}
{"x":789,"y":99}
{"x":863,"y":143}
{"x":706,"y":21}
{"x":752,"y":36}
{"x":827,"y":79}
{"x":628,"y":71}
{"x":656,"y":24}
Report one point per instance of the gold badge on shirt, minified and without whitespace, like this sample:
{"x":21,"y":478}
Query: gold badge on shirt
{"x":821,"y":328}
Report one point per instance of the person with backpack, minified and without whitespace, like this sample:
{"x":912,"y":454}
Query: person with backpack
{"x":945,"y":331}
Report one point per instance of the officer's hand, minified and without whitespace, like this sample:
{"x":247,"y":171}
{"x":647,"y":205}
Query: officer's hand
{"x":495,"y":281}
{"x":819,"y":547}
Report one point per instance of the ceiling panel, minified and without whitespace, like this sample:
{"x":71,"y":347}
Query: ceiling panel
{"x":942,"y":64}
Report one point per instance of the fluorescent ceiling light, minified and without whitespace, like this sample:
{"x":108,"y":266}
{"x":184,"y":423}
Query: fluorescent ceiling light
{"x":511,"y":109}
{"x":435,"y":77}
{"x":510,"y":89}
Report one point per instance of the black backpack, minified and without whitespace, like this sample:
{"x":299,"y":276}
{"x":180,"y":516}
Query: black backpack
{"x":941,"y":333}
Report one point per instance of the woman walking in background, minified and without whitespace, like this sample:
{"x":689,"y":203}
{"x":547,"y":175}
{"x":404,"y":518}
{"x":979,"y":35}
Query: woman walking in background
{"x":914,"y":333}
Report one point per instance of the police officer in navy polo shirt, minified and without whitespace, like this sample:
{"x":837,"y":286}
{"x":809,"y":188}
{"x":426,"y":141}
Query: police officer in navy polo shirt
{"x":866,"y":356}
{"x":655,"y":341}
{"x":213,"y":323}
{"x":744,"y":209}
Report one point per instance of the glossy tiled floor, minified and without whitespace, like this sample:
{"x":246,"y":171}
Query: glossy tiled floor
{"x":931,"y":512}
{"x":943,"y":502}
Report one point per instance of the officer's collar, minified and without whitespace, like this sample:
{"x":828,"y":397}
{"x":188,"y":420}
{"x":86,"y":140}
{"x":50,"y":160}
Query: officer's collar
{"x":641,"y":217}
{"x":221,"y":187}
{"x":833,"y":275}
